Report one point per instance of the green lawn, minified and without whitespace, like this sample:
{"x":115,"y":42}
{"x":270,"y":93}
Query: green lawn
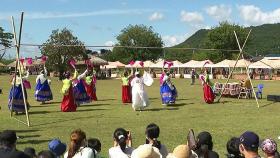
{"x":99,"y":119}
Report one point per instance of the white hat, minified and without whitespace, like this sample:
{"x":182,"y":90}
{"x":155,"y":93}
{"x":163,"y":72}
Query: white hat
{"x":146,"y":151}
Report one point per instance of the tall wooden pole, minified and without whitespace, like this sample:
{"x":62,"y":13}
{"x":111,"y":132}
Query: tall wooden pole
{"x":17,"y":44}
{"x":238,"y":57}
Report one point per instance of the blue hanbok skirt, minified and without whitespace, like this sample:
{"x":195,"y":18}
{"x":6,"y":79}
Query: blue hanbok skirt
{"x":43,"y":91}
{"x":80,"y":93}
{"x":168,"y":95}
{"x":17,"y":104}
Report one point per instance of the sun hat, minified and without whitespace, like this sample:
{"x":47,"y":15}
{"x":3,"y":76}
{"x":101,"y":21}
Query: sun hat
{"x":146,"y":151}
{"x":269,"y":146}
{"x":181,"y":151}
{"x":57,"y":147}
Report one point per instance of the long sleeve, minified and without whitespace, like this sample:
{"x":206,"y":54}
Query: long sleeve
{"x":37,"y":78}
{"x":45,"y":72}
{"x":82,"y":75}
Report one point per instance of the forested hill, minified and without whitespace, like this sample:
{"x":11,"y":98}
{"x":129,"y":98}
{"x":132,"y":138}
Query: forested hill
{"x":264,"y":39}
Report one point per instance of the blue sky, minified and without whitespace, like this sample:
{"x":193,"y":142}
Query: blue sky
{"x":98,"y":22}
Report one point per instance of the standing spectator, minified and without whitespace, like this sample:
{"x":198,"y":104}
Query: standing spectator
{"x":193,"y":76}
{"x":8,"y":141}
{"x":152,"y":134}
{"x":77,"y":146}
{"x":269,"y":147}
{"x":249,"y":143}
{"x":205,"y":146}
{"x":122,"y":144}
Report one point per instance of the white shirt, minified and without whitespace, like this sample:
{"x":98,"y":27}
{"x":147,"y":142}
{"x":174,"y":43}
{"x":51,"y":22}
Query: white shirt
{"x":42,"y":77}
{"x":84,"y":152}
{"x":137,"y":83}
{"x":116,"y":152}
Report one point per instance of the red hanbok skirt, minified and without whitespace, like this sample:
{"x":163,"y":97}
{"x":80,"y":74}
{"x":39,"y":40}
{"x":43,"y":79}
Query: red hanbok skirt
{"x":126,"y":94}
{"x":91,"y":90}
{"x":209,"y":96}
{"x":68,"y":103}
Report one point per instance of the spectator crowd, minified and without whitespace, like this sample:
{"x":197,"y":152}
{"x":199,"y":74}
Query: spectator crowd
{"x":247,"y":145}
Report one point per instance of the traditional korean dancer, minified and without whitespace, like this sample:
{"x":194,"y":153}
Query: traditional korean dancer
{"x":89,"y":83}
{"x":43,"y":91}
{"x":68,"y":103}
{"x":80,"y":94}
{"x":126,"y":88}
{"x":209,"y":95}
{"x":168,"y":91}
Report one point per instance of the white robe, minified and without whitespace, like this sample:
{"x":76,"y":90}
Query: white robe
{"x":139,"y":96}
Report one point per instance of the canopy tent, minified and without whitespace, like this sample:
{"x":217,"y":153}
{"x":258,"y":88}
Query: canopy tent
{"x":135,"y":65}
{"x":242,"y":63}
{"x":159,"y":64}
{"x":148,"y":63}
{"x":197,"y":64}
{"x":94,"y":60}
{"x":2,"y":65}
{"x":262,"y":64}
{"x":113,"y":65}
{"x":224,"y":64}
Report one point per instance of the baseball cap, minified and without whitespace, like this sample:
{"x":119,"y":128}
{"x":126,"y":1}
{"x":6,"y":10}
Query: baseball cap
{"x":249,"y":139}
{"x":57,"y":147}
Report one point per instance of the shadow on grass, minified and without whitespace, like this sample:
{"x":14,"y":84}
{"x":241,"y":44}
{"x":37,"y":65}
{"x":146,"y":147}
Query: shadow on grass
{"x":40,"y":112}
{"x":268,"y":104}
{"x":78,"y":110}
{"x":28,"y":136}
{"x":181,"y":99}
{"x":23,"y":131}
{"x":47,"y":104}
{"x":153,"y":98}
{"x":106,"y":99}
{"x":82,"y":106}
{"x":177,"y":105}
{"x":160,"y":109}
{"x":34,"y":141}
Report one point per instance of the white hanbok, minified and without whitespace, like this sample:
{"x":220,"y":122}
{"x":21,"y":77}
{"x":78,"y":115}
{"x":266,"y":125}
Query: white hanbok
{"x":140,"y":98}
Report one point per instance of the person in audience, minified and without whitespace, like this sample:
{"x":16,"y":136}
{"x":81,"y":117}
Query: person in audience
{"x":15,"y":154}
{"x":43,"y":91}
{"x":77,"y":146}
{"x":205,"y":146}
{"x":46,"y":154}
{"x":95,"y":145}
{"x":30,"y":152}
{"x":122,"y":144}
{"x":146,"y":151}
{"x":140,"y":98}
{"x":68,"y":103}
{"x":57,"y":147}
{"x":8,"y":139}
{"x":249,"y":144}
{"x":233,"y":148}
{"x":269,"y":147}
{"x":181,"y":151}
{"x":152,"y":134}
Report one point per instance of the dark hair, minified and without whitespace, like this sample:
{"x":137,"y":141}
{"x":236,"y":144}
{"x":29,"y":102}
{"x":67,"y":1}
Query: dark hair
{"x":95,"y":144}
{"x":152,"y":132}
{"x":30,"y":152}
{"x":205,"y":138}
{"x":46,"y":154}
{"x":125,"y":74}
{"x":138,"y":75}
{"x":121,"y":136}
{"x":233,"y":148}
{"x":77,"y":139}
{"x":8,"y":138}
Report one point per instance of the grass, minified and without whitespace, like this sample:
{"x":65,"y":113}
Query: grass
{"x":99,"y":119}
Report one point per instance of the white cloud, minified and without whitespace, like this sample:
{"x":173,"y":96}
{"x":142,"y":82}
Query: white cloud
{"x":109,"y":43}
{"x":253,"y":15}
{"x":156,"y":16}
{"x":191,"y":17}
{"x":171,"y":40}
{"x":52,"y":15}
{"x":219,"y":12}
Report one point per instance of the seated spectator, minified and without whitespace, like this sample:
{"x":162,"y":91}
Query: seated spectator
{"x":8,"y":139}
{"x":46,"y":154}
{"x":122,"y":144}
{"x":233,"y":148}
{"x":95,"y":145}
{"x":205,"y":146}
{"x":152,"y":133}
{"x":249,"y":143}
{"x":16,"y":154}
{"x":146,"y":151}
{"x":269,"y":147}
{"x":77,"y":146}
{"x":181,"y":151}
{"x":30,"y":152}
{"x":57,"y":147}
{"x":246,"y":83}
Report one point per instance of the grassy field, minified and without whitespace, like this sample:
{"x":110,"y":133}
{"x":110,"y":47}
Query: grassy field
{"x":99,"y":119}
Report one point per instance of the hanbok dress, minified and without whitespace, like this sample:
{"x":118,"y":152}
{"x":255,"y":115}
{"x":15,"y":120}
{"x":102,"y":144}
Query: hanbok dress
{"x":68,"y":103}
{"x":89,"y":83}
{"x":168,"y":91}
{"x":140,"y":98}
{"x":126,"y":90}
{"x":80,"y":93}
{"x":16,"y":102}
{"x":208,"y":93}
{"x":43,"y":91}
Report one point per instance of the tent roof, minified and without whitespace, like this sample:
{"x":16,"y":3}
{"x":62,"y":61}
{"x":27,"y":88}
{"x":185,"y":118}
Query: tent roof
{"x":159,"y":64}
{"x":113,"y":65}
{"x":241,"y":63}
{"x":264,"y":64}
{"x":197,"y":64}
{"x":1,"y":64}
{"x":94,"y":60}
{"x":225,"y":63}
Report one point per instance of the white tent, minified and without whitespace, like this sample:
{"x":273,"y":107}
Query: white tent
{"x":225,"y":63}
{"x":197,"y":64}
{"x":148,"y":63}
{"x":113,"y":65}
{"x":262,"y":64}
{"x":189,"y":64}
{"x":241,"y":63}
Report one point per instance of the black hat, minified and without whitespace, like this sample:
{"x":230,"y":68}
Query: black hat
{"x":8,"y":136}
{"x":249,"y":139}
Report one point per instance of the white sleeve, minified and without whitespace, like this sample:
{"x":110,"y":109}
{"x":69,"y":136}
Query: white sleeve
{"x":82,"y":75}
{"x":26,"y":76}
{"x":37,"y":78}
{"x":45,"y":72}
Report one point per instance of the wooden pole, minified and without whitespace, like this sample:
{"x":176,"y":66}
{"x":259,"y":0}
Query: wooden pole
{"x":17,"y":43}
{"x":230,"y":74}
{"x":247,"y":71}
